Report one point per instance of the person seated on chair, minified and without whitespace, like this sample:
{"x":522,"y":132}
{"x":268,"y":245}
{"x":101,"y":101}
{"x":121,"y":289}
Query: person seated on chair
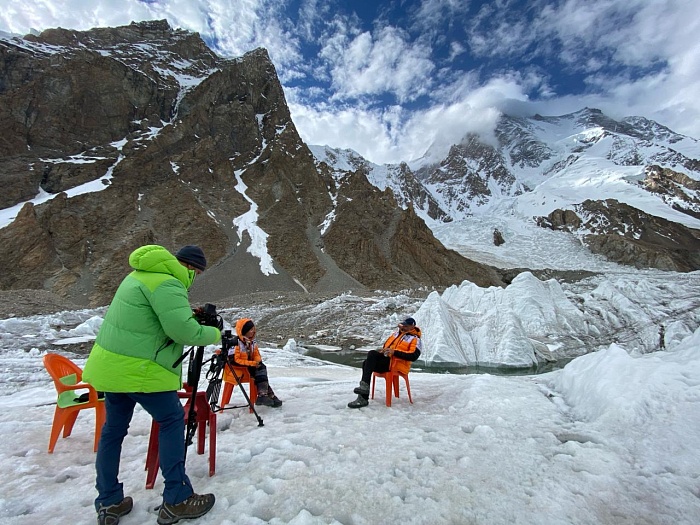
{"x":246,"y":353}
{"x":404,"y":344}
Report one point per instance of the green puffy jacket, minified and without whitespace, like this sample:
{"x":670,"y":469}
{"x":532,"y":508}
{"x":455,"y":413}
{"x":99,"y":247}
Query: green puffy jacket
{"x":146,"y":327}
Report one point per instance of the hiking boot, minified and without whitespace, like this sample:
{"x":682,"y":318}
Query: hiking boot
{"x":359,"y":402}
{"x":193,"y":507}
{"x":363,"y":389}
{"x":276,"y":401}
{"x":110,"y":514}
{"x":265,"y":401}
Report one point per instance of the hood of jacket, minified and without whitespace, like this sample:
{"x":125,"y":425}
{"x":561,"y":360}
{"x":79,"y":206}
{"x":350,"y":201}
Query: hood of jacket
{"x":156,"y":259}
{"x":239,"y":326}
{"x":413,"y":331}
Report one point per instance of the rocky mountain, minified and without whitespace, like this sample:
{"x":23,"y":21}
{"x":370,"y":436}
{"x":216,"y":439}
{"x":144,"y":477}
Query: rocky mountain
{"x":117,"y":137}
{"x":628,"y":188}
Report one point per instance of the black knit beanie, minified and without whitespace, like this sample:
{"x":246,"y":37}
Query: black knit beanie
{"x":247,"y":326}
{"x":192,"y":255}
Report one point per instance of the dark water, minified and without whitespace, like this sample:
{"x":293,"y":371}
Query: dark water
{"x":355,"y":358}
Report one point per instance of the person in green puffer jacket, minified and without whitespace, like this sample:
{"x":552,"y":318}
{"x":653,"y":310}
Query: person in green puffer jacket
{"x":143,"y":334}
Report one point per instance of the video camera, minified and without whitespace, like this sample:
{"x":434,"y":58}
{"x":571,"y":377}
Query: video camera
{"x":220,"y":357}
{"x":206,"y":316}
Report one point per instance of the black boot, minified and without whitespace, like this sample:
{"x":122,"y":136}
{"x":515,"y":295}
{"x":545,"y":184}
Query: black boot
{"x":276,"y":401}
{"x":360,"y":402}
{"x":267,"y":397}
{"x":363,"y":389}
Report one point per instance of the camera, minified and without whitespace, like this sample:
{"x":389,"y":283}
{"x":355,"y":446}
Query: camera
{"x":228,"y":339}
{"x":206,"y":315}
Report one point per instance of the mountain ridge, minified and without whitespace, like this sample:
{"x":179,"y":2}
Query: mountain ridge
{"x":118,"y":137}
{"x":639,"y":181}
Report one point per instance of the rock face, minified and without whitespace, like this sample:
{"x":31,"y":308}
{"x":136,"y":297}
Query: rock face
{"x":140,"y":134}
{"x":624,"y":234}
{"x":674,"y":188}
{"x":468,"y":177}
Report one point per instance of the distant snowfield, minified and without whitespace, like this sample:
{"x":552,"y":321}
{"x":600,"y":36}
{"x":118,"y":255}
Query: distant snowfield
{"x":526,"y":246}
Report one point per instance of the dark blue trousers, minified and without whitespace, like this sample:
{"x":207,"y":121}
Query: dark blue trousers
{"x":165,"y":408}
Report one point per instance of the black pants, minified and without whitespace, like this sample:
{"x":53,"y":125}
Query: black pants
{"x":259,"y":373}
{"x":375,"y":362}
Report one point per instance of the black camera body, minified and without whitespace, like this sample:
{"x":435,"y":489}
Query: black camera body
{"x":206,"y":316}
{"x":228,"y":340}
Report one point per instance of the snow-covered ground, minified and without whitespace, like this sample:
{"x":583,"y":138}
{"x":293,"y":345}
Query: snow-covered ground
{"x":610,"y":439}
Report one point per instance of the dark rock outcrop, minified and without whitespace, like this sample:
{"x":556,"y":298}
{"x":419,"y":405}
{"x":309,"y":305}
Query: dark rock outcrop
{"x":629,"y":236}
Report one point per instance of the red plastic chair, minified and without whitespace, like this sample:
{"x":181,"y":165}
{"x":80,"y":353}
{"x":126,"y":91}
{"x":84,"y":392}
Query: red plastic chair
{"x":67,"y":378}
{"x":392,"y":382}
{"x":230,"y":382}
{"x":205,"y":418}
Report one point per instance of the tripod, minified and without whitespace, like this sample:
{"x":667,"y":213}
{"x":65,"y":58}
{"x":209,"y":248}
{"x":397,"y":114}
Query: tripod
{"x":215,"y":376}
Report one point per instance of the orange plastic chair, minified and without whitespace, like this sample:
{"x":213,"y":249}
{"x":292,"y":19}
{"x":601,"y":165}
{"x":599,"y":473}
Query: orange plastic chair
{"x":67,"y":378}
{"x":230,"y":382}
{"x":392,"y":382}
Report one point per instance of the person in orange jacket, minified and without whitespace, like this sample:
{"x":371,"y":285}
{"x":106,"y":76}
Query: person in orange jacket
{"x":246,"y":353}
{"x":404,"y":344}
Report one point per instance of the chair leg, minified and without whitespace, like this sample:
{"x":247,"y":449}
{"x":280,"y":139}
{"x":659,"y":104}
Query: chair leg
{"x":389,"y":389}
{"x":71,"y":416}
{"x":212,"y":443}
{"x":56,"y":427}
{"x":395,"y":384}
{"x":253,"y":393}
{"x":152,"y":457}
{"x":202,"y":420}
{"x":408,"y":389}
{"x":226,"y":394}
{"x":374,"y":378}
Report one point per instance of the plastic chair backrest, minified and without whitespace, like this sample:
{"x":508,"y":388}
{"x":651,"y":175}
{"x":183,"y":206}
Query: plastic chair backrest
{"x":392,"y":381}
{"x":394,"y":366}
{"x":64,"y":373}
{"x":60,"y":367}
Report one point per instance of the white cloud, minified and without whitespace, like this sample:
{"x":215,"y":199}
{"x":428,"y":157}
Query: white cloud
{"x":385,"y":62}
{"x":394,"y":134}
{"x":638,"y":58}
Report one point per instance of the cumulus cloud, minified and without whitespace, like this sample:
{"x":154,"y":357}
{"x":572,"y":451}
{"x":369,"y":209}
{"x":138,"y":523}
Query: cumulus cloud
{"x":377,"y":63}
{"x":394,"y":134}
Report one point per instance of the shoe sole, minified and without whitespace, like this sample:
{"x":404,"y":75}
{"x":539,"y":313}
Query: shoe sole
{"x":176,"y":520}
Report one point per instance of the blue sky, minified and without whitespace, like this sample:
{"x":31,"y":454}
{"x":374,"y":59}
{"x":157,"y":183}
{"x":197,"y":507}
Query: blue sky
{"x":389,"y":79}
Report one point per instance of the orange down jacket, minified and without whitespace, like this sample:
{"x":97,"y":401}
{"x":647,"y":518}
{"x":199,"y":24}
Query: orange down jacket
{"x":407,"y":348}
{"x":246,"y":352}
